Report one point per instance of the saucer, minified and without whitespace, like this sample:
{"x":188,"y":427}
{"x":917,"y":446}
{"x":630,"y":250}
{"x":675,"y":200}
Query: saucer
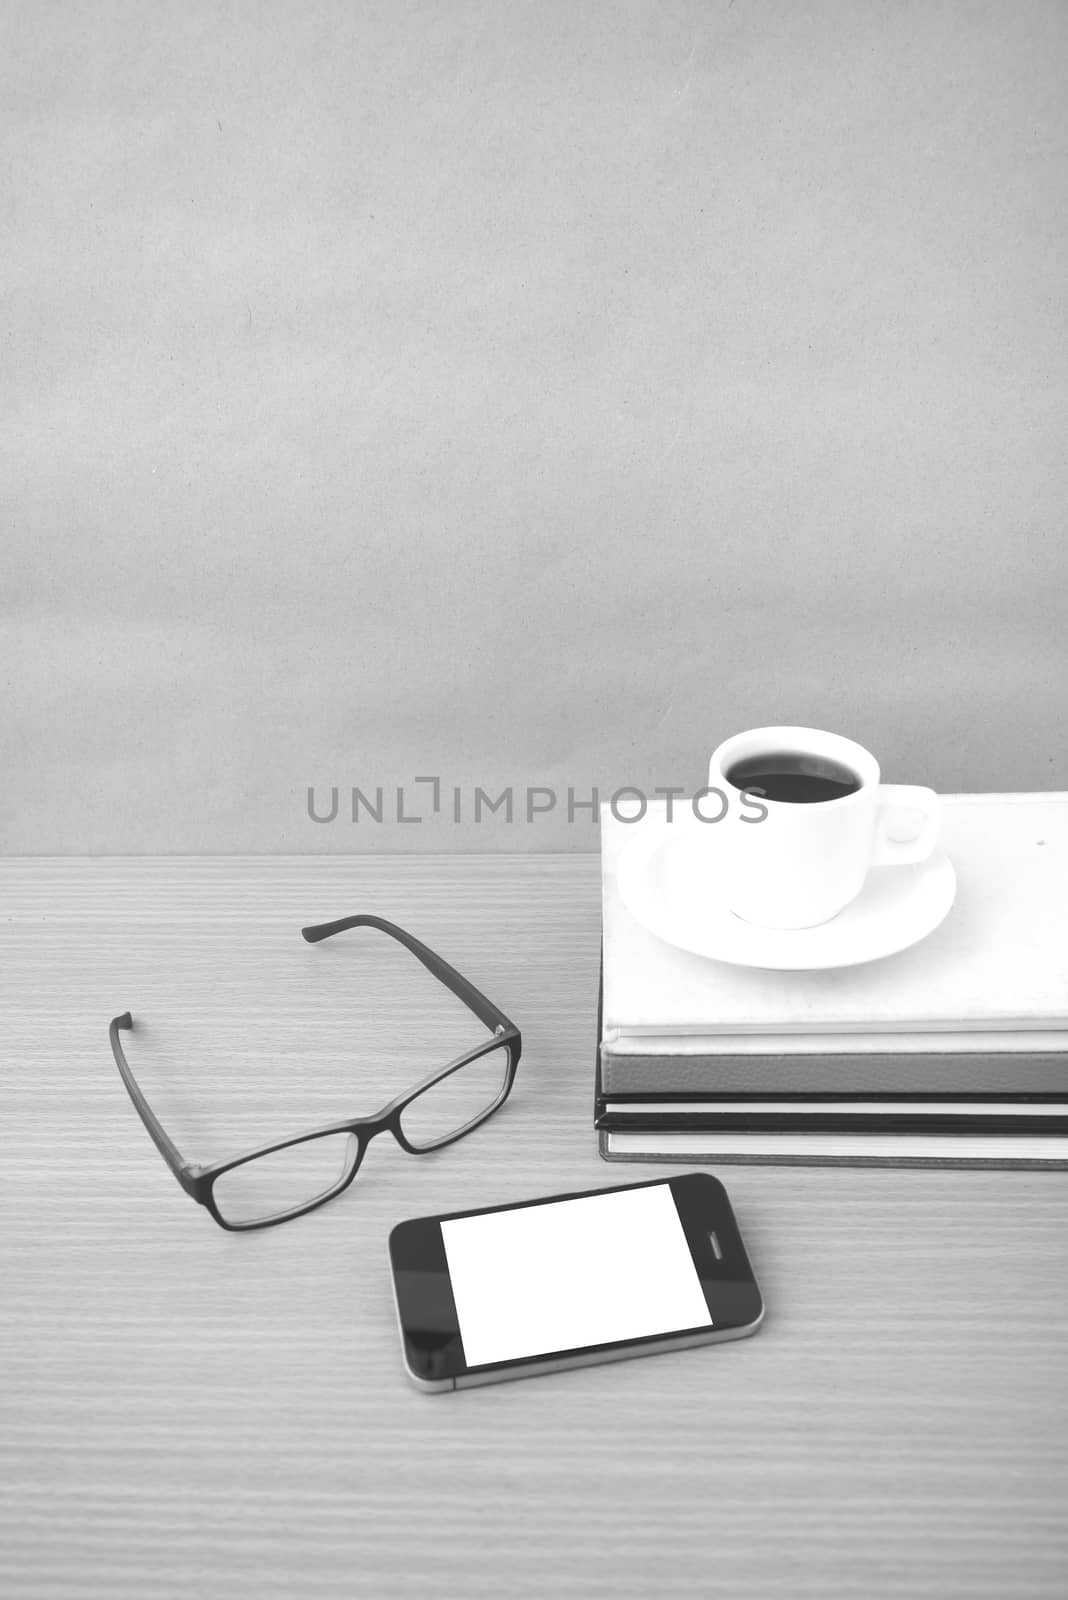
{"x":666,"y":878}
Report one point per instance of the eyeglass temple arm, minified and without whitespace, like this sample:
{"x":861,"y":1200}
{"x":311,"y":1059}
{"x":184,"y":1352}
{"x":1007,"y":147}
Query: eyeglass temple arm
{"x":166,"y":1146}
{"x":484,"y":1009}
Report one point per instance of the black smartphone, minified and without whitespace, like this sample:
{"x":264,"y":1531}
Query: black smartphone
{"x":574,"y":1279}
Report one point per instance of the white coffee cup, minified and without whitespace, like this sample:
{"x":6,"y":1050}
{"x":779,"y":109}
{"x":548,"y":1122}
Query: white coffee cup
{"x":799,"y":864}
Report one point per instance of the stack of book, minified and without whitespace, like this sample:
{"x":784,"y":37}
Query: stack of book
{"x":954,"y":1051}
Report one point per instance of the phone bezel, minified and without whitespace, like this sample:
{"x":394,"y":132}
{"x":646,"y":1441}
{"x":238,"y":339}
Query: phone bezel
{"x":426,"y":1309}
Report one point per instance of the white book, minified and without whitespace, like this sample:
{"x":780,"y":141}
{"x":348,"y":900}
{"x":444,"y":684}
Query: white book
{"x":815,"y":1111}
{"x":1002,"y":1041}
{"x":994,"y":975}
{"x":820,"y":1149}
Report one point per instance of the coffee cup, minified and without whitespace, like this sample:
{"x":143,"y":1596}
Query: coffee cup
{"x":812,"y":818}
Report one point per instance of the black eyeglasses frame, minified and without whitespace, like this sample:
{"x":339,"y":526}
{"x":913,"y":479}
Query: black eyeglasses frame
{"x":199,"y":1181}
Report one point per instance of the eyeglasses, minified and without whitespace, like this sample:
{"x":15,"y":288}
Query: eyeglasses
{"x":284,"y":1180}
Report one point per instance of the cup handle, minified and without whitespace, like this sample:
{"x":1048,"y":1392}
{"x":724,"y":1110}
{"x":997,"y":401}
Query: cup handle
{"x":893,"y":799}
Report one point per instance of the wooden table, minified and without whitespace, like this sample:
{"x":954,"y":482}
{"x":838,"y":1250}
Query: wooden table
{"x":185,"y":1409}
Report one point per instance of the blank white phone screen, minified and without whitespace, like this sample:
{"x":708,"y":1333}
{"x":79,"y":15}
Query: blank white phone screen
{"x":571,"y":1273}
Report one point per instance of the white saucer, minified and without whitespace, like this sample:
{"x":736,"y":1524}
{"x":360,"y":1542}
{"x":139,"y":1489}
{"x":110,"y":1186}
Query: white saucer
{"x":667,"y":879}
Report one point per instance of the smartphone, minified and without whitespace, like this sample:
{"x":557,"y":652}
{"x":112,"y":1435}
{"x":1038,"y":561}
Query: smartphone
{"x":574,"y":1279}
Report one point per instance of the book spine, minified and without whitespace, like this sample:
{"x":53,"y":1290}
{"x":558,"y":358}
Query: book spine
{"x":939,"y":1157}
{"x":950,"y":1072}
{"x":886,"y":1122}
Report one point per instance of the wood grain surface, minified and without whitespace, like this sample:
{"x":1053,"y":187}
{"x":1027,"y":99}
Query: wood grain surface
{"x":184,"y":1409}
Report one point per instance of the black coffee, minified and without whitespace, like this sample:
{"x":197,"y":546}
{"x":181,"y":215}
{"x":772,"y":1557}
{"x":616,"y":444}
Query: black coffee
{"x":791,"y":775}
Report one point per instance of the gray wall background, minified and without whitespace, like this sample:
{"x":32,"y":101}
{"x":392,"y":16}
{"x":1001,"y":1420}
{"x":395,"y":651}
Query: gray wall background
{"x":521,"y":393}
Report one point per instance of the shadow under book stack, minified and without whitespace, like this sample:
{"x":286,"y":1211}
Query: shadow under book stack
{"x":952,"y":1052}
